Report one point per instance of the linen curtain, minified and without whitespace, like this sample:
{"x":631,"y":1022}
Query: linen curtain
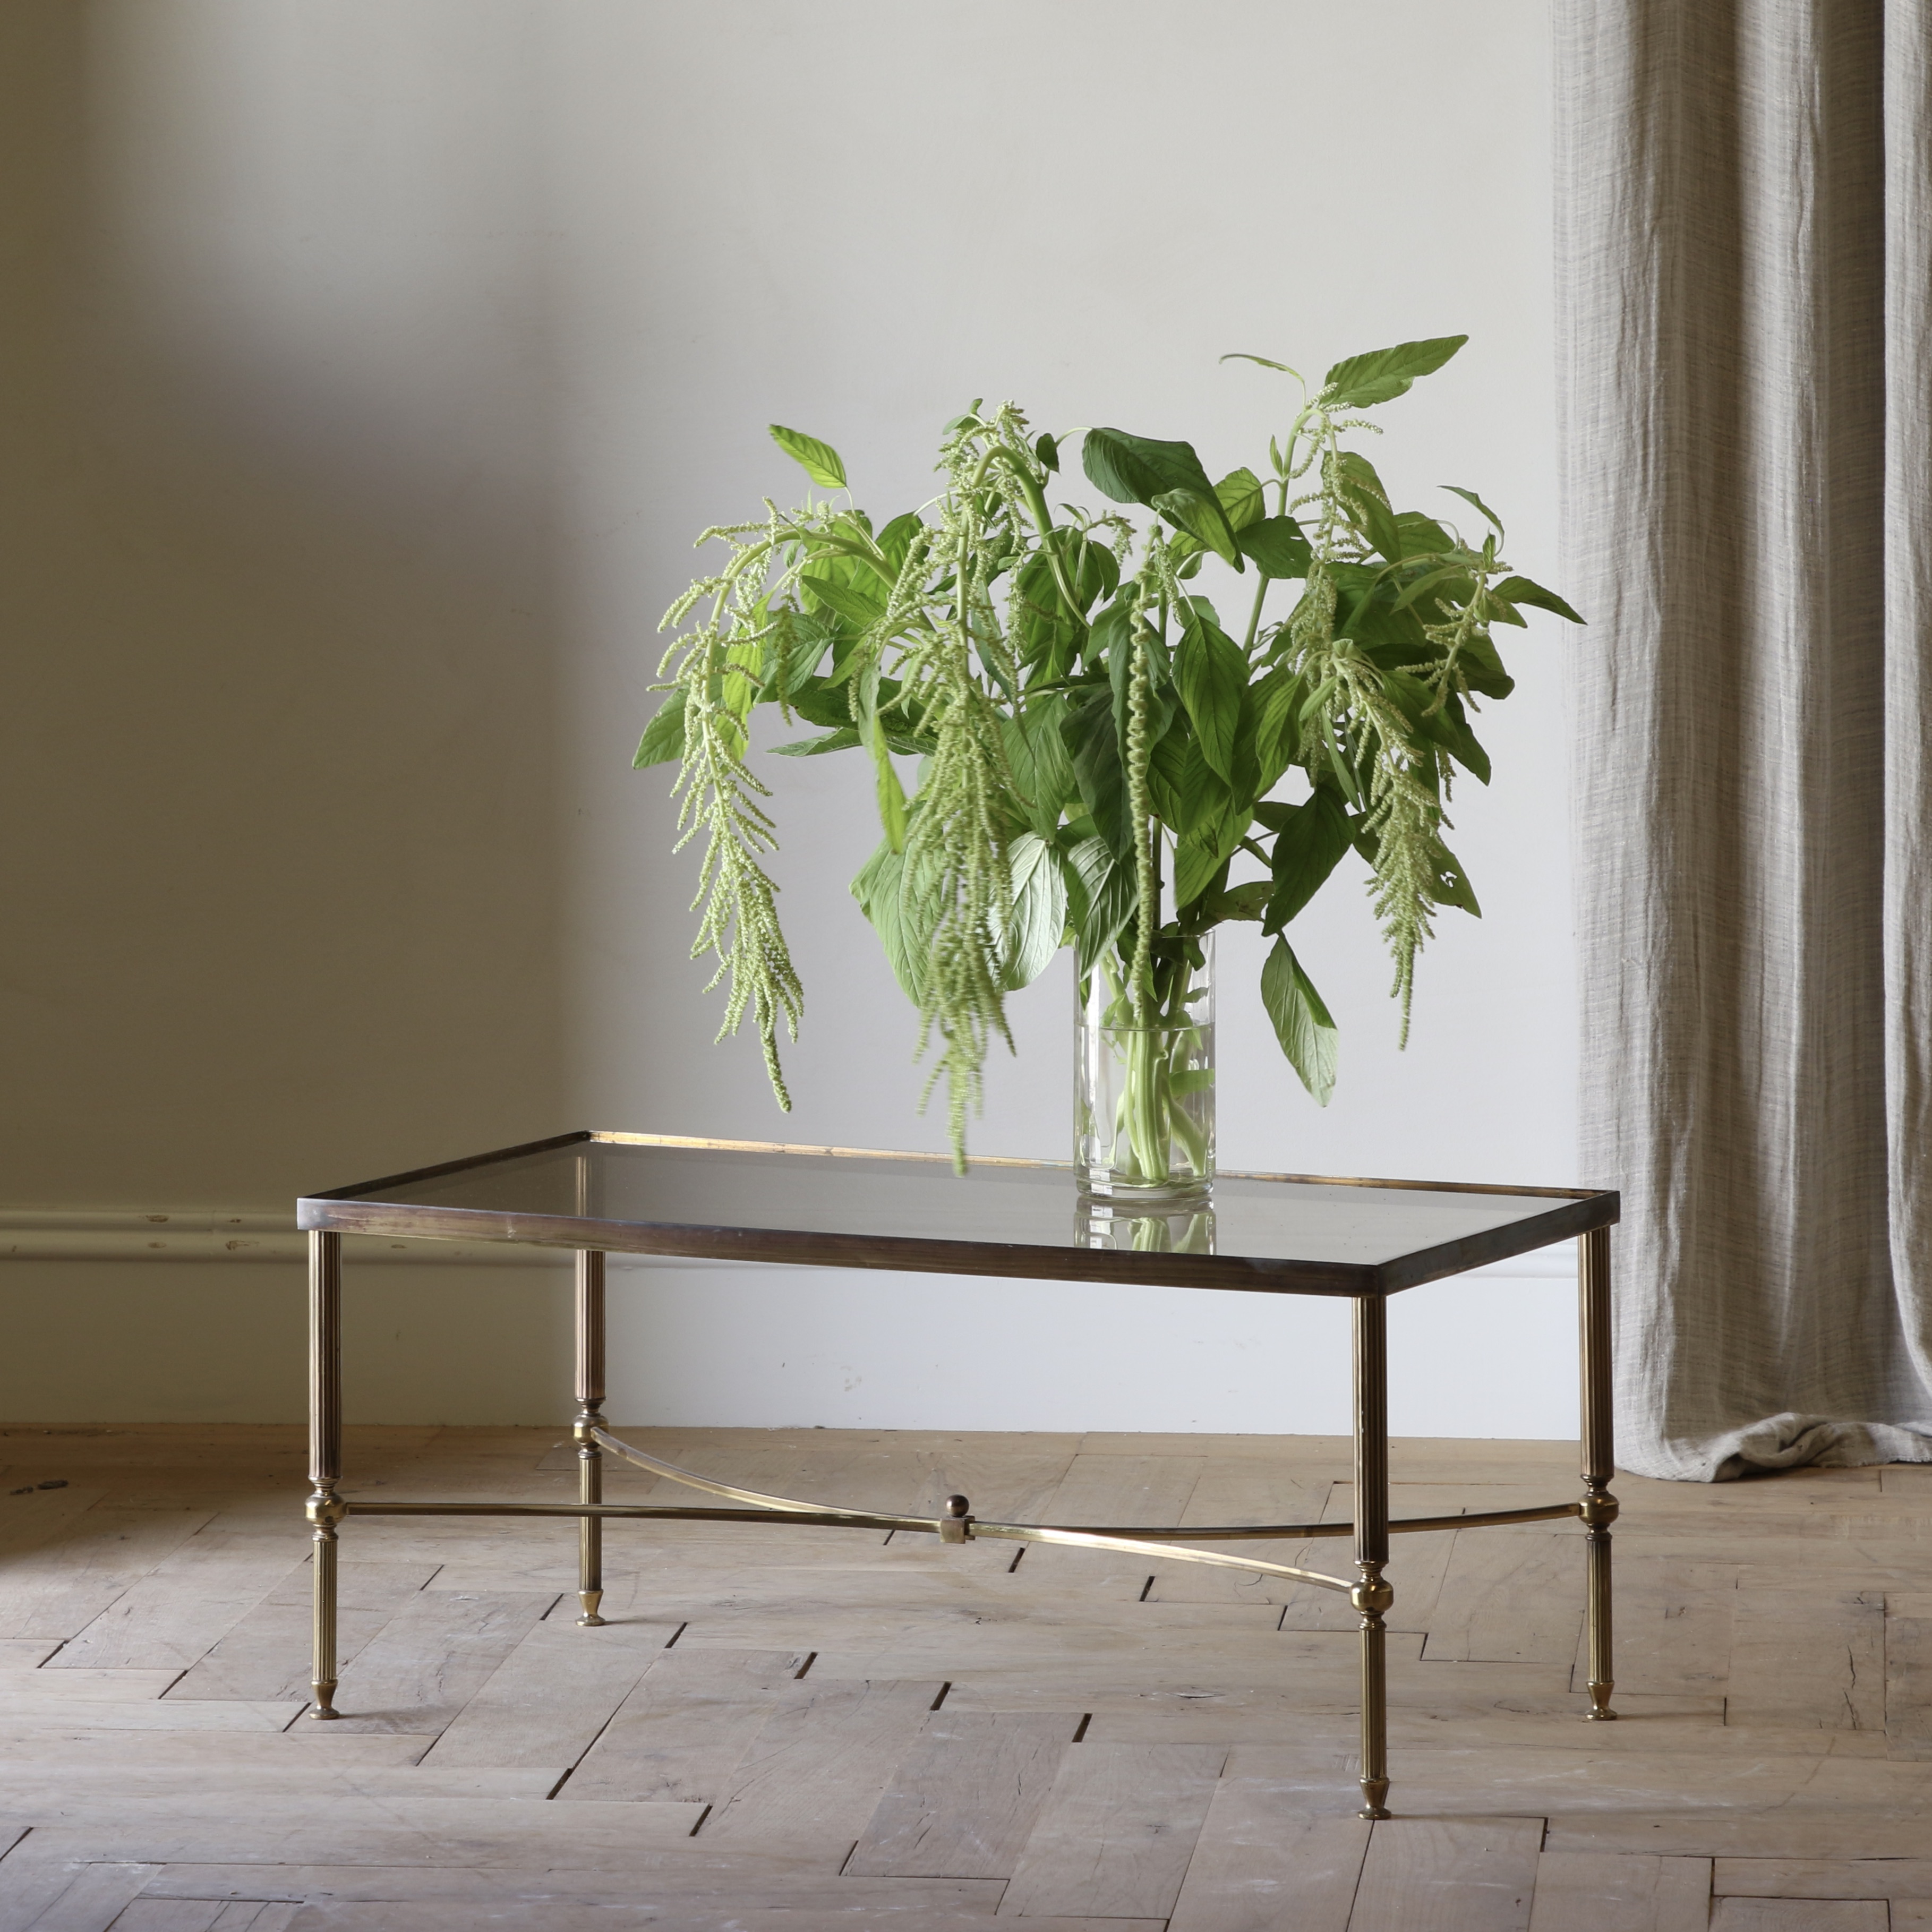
{"x":1745,"y":276}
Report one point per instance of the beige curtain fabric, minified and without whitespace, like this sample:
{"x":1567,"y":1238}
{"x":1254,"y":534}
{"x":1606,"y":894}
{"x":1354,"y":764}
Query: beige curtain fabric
{"x":1744,"y":245}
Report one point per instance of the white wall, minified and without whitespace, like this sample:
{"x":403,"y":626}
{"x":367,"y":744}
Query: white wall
{"x":387,"y":357}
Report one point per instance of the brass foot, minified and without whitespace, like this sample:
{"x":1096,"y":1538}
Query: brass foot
{"x":590,"y":1620}
{"x":324,"y":1702}
{"x":1599,"y":1710}
{"x":1374,"y":1790}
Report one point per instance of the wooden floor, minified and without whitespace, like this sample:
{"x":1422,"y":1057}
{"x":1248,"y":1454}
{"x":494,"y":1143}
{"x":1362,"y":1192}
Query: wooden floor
{"x":797,"y":1730}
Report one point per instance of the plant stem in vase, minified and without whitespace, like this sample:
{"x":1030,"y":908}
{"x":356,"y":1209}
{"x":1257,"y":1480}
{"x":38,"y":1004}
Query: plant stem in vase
{"x":1144,"y":1077}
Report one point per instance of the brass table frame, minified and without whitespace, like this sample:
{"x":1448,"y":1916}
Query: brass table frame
{"x":327,"y":1216}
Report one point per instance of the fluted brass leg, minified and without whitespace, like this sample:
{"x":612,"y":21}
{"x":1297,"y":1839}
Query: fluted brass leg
{"x":1600,"y":1507}
{"x":1371,"y":1595}
{"x":325,"y":1509}
{"x":590,"y":1416}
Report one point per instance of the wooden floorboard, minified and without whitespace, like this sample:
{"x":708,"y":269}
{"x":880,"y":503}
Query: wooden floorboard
{"x":785,"y":1730}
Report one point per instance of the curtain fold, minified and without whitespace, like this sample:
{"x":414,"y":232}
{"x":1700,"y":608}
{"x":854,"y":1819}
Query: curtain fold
{"x":1744,"y":280}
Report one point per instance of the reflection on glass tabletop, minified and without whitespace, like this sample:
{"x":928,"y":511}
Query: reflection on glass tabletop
{"x":752,"y":1202}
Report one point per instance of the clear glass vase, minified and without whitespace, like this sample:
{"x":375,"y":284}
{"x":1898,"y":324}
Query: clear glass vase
{"x":1143,"y":1075}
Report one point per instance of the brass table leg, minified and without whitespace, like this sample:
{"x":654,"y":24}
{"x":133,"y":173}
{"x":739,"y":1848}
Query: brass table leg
{"x":589,"y":1419}
{"x":1371,"y":1595}
{"x":1599,"y":1509}
{"x":326,"y":1510}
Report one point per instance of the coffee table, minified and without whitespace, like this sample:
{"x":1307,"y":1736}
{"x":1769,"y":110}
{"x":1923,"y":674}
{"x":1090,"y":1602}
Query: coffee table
{"x":1268,"y":1234}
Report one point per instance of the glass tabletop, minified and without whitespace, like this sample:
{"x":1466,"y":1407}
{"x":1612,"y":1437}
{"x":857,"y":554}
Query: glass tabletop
{"x":654,"y":1194}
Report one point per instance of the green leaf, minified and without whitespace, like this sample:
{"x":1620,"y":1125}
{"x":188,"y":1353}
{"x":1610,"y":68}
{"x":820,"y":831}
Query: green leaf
{"x":819,"y":460}
{"x":1038,"y":922}
{"x":1277,"y":701}
{"x":1213,"y":675}
{"x":1452,"y":885}
{"x":880,"y":890}
{"x":1242,"y":355}
{"x":663,"y":736}
{"x":1165,"y":476}
{"x":1094,"y":747}
{"x":1362,"y":381}
{"x":1422,"y":536}
{"x":1521,"y":590}
{"x":1117,"y":638}
{"x":1047,"y":452}
{"x":891,"y":793}
{"x":1106,"y":901}
{"x":1309,"y":840}
{"x":1241,"y":494}
{"x":1036,"y":757}
{"x":1366,"y":499}
{"x":1482,"y":665}
{"x":1201,"y":797}
{"x":1277,"y":545}
{"x":843,"y":739}
{"x":1198,"y":860}
{"x":1470,"y":496}
{"x":896,"y":539}
{"x":1247,"y":902}
{"x":1430,"y":581}
{"x":852,"y":604}
{"x":1301,"y":1021}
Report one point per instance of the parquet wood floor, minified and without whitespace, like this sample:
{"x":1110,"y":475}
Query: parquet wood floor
{"x":802,"y":1730}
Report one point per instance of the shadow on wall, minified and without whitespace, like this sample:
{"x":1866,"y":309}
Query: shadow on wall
{"x":282,"y":831}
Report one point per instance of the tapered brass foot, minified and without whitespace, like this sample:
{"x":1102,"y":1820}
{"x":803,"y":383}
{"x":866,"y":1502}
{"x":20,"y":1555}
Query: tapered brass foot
{"x":1599,"y":1710}
{"x":325,"y":1701}
{"x":590,"y":1620}
{"x":1374,"y":1790}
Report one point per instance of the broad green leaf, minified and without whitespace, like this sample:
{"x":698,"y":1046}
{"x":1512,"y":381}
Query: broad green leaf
{"x":896,"y":539}
{"x":819,"y":460}
{"x":1201,"y":796}
{"x":1036,"y":757}
{"x":879,"y":889}
{"x":843,"y":739}
{"x":1360,"y":382}
{"x":1093,"y":746}
{"x":663,"y":736}
{"x":1275,"y":705}
{"x":1197,"y":862}
{"x":1246,"y":902}
{"x":1422,"y":536}
{"x":1362,"y":493}
{"x":1120,"y":648}
{"x":1242,"y":496}
{"x":856,"y":606}
{"x":1470,"y":496}
{"x":1033,"y":934}
{"x":1482,"y":665}
{"x":1107,"y":883}
{"x":1452,"y":884}
{"x":1443,"y":724}
{"x":1212,"y":674}
{"x":1277,"y":546}
{"x":891,"y":793}
{"x":1430,"y":582}
{"x":1165,"y":476}
{"x":1301,"y":1021}
{"x":1046,"y":452}
{"x":1521,"y":590}
{"x":1309,"y":840}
